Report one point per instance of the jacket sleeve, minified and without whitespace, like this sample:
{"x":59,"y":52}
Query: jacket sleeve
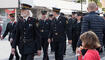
{"x":104,"y":28}
{"x":85,"y":25}
{"x":6,"y":31}
{"x":38,"y":37}
{"x":16,"y":36}
{"x":68,"y":28}
{"x":51,"y":29}
{"x":84,"y":28}
{"x":50,"y":32}
{"x":0,"y":29}
{"x":87,"y":57}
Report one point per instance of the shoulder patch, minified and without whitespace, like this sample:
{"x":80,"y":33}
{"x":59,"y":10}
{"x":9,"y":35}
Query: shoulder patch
{"x":67,"y":22}
{"x":10,"y":22}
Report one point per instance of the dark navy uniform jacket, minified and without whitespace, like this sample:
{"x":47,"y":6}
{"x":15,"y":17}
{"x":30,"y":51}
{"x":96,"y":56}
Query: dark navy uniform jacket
{"x":9,"y":29}
{"x":76,"y":30}
{"x":60,"y":28}
{"x":44,"y":27}
{"x":27,"y":36}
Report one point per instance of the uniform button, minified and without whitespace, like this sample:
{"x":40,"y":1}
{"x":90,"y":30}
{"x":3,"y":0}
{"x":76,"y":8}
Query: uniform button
{"x":24,"y":37}
{"x":24,"y":32}
{"x":56,"y":33}
{"x":24,"y":29}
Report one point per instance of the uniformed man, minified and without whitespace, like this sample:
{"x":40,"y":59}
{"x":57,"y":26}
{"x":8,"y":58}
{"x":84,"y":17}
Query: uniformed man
{"x":63,"y":15}
{"x":50,"y":17}
{"x":9,"y":29}
{"x":76,"y":30}
{"x":27,"y":35}
{"x":51,"y":42}
{"x":59,"y":30}
{"x":44,"y":27}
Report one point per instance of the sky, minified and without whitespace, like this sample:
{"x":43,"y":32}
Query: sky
{"x":64,"y":5}
{"x":47,"y":3}
{"x":8,"y":3}
{"x":30,"y":2}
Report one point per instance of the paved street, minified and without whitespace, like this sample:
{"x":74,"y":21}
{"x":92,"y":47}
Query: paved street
{"x":5,"y":50}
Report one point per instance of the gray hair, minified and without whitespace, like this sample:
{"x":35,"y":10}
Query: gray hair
{"x":92,"y":6}
{"x":30,"y":13}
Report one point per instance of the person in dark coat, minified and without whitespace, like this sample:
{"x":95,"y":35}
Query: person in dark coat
{"x":9,"y":30}
{"x":0,"y":30}
{"x":44,"y":27}
{"x":72,"y":19}
{"x":104,"y":35}
{"x":59,"y":30}
{"x":104,"y":16}
{"x":76,"y":30}
{"x":93,"y":22}
{"x":63,"y":15}
{"x":73,"y":16}
{"x":51,"y":42}
{"x":27,"y":36}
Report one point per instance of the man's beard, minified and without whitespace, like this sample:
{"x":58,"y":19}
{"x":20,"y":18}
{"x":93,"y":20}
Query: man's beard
{"x":24,"y":15}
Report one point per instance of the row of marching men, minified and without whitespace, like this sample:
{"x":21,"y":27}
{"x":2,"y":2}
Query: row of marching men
{"x":32,"y":35}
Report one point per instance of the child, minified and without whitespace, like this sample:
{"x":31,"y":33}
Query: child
{"x":90,"y":42}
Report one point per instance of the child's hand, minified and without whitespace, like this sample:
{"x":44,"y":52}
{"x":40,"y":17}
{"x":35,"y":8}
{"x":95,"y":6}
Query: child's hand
{"x":78,"y":51}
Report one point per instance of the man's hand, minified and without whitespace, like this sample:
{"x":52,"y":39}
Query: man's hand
{"x":11,"y":40}
{"x":13,"y":51}
{"x":49,"y":40}
{"x":39,"y":52}
{"x":70,"y":41}
{"x":2,"y":38}
{"x":0,"y":35}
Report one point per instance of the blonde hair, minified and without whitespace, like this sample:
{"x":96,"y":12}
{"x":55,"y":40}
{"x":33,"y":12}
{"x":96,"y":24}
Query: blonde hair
{"x":90,"y":40}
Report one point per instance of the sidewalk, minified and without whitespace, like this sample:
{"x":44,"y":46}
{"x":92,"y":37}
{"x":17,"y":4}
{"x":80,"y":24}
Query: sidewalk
{"x":5,"y":50}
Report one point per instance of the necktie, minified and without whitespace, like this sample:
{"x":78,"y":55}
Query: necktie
{"x":12,"y":23}
{"x":25,"y":20}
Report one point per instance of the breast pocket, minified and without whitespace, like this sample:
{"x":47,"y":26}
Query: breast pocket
{"x":30,"y":26}
{"x":60,"y":24}
{"x":47,"y":25}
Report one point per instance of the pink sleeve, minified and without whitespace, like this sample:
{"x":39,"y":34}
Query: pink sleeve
{"x":88,"y":57}
{"x":0,"y":29}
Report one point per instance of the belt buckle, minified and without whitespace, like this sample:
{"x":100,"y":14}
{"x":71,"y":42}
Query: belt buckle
{"x":42,"y":30}
{"x":56,"y":33}
{"x":24,"y":41}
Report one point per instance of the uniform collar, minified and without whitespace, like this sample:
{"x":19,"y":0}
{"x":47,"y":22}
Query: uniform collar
{"x":57,"y":16}
{"x":78,"y":21}
{"x":43,"y":19}
{"x":12,"y":21}
{"x":26,"y":18}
